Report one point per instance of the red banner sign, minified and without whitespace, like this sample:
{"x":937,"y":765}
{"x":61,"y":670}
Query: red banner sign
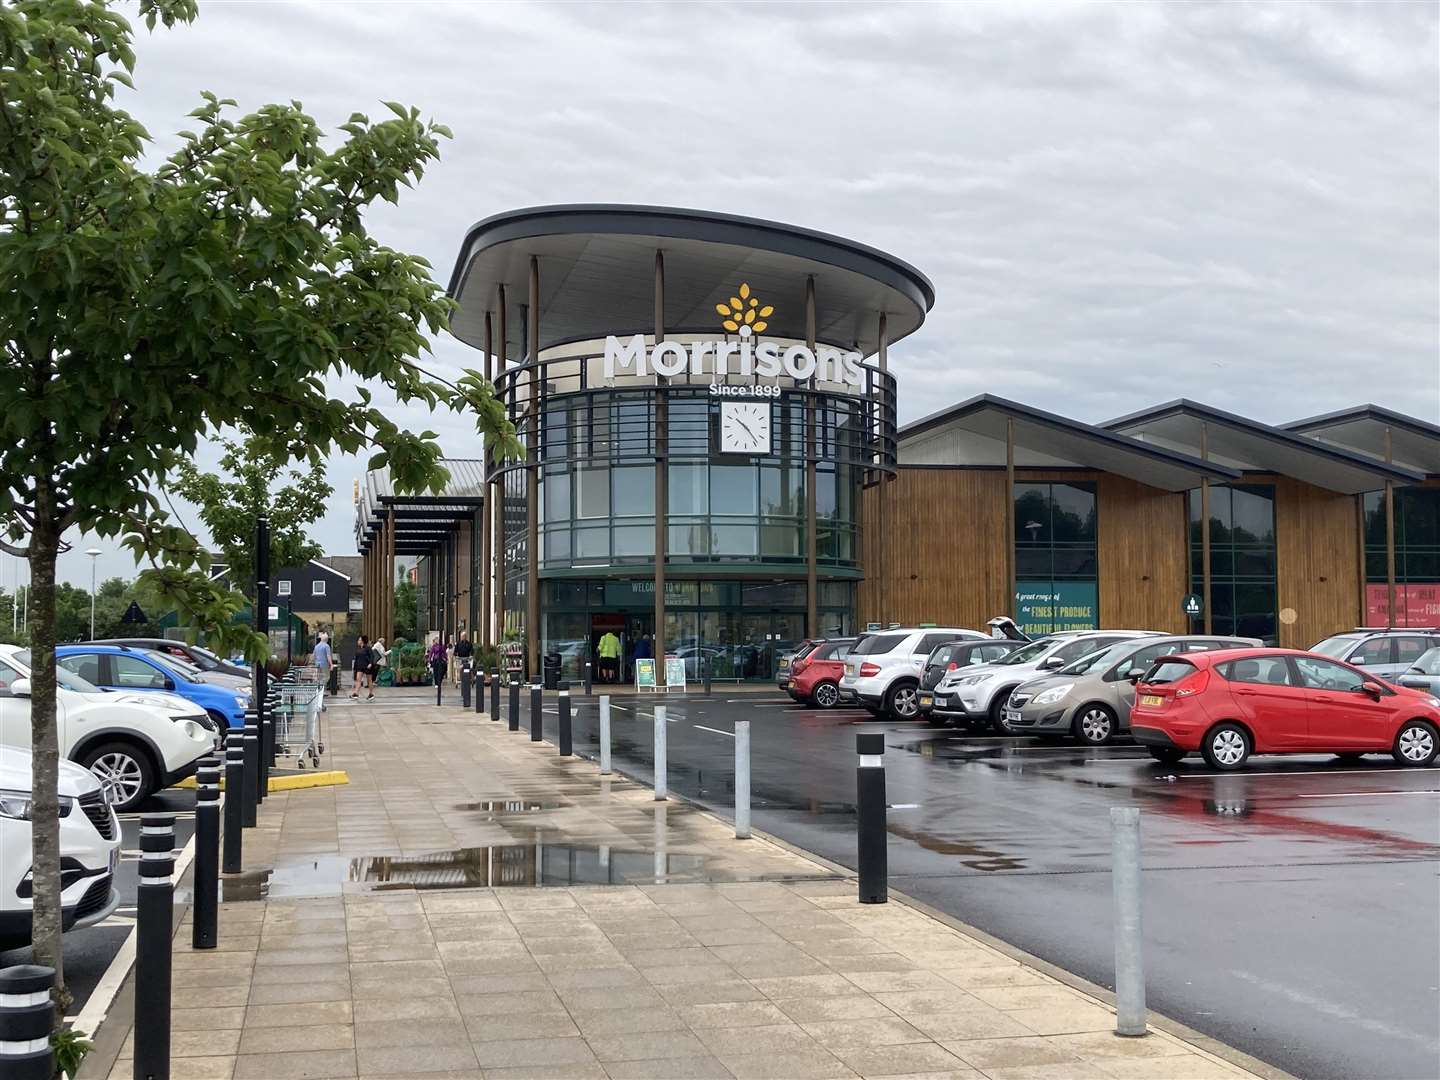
{"x":1415,"y":605}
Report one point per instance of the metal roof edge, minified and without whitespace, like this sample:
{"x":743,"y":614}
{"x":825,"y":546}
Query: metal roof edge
{"x":1363,"y":412}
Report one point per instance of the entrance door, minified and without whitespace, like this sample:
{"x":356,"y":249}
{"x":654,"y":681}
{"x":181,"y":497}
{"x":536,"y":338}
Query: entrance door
{"x":766,"y":635}
{"x":602,"y":623}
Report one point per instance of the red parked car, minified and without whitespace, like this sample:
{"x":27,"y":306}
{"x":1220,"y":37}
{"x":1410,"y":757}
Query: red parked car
{"x":815,"y":677}
{"x":1232,"y":703}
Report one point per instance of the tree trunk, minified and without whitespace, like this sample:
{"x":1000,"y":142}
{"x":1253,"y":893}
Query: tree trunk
{"x":45,"y":745}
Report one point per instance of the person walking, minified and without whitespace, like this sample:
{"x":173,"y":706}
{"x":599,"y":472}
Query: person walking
{"x":324,"y":661}
{"x":363,"y":667}
{"x":382,"y":661}
{"x":435,"y":658}
{"x":463,"y":652}
{"x":609,"y":650}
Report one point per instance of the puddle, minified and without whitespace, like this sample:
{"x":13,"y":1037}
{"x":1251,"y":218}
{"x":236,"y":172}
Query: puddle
{"x":511,"y":806}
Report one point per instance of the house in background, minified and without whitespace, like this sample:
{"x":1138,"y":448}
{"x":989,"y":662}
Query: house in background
{"x":322,"y":593}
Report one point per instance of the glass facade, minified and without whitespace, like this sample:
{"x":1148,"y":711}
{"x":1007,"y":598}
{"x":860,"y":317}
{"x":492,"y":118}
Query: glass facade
{"x":1242,"y":560}
{"x":1056,"y":563}
{"x":1417,"y":557}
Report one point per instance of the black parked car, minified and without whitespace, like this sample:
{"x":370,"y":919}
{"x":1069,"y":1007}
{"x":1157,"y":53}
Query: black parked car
{"x":196,"y":655}
{"x":958,"y":654}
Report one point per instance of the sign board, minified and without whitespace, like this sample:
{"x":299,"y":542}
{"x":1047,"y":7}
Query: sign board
{"x":1415,"y":604}
{"x":674,"y":673}
{"x":645,"y":673}
{"x":1192,"y":606}
{"x":274,"y":614}
{"x":133,"y":614}
{"x":513,"y":655}
{"x":872,"y":628}
{"x":1043,"y":607}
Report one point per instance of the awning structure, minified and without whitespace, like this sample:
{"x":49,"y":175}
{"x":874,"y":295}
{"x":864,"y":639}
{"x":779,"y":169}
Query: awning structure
{"x":975,"y":433}
{"x":1379,"y":433}
{"x":421,"y":521}
{"x":1250,"y":446}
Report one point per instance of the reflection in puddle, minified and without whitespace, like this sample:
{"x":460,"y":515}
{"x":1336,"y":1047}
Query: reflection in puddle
{"x":525,"y":865}
{"x":980,"y":858}
{"x":511,"y":806}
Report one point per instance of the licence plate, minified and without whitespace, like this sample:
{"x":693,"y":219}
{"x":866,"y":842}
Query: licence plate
{"x":1151,"y":699}
{"x":784,"y":684}
{"x":927,"y":699}
{"x":849,"y":669}
{"x":1012,"y":716}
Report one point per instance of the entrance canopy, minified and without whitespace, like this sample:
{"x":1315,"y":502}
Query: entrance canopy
{"x":1377,"y":433}
{"x":422,"y":522}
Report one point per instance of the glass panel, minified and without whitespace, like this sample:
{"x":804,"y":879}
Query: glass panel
{"x":779,"y":594}
{"x":1253,"y":515}
{"x":1072,"y":511}
{"x":594,"y":493}
{"x":825,"y":503}
{"x":556,"y":486}
{"x":557,"y":545}
{"x":682,"y":640}
{"x":782,"y":492}
{"x":568,"y":634}
{"x":1032,"y":513}
{"x":633,"y":540}
{"x":692,"y":539}
{"x":592,"y":544}
{"x":718,"y":640}
{"x":689,"y":489}
{"x":689,"y":428}
{"x":732,"y":539}
{"x":836,"y":594}
{"x":564,"y":594}
{"x":780,"y":541}
{"x":633,"y":493}
{"x":135,"y":673}
{"x":1325,"y":675}
{"x":719,"y":593}
{"x":732,"y":490}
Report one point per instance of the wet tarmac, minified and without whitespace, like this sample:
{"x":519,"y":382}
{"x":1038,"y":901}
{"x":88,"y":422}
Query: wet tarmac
{"x":1291,"y":910}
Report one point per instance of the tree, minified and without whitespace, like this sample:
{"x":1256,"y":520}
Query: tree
{"x":143,"y":311}
{"x":406,"y":606}
{"x":230,"y":504}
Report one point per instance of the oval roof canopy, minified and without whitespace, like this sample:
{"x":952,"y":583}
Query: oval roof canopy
{"x":597,"y":276}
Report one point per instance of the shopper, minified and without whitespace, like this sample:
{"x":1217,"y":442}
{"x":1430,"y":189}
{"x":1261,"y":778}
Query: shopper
{"x":363,"y":667}
{"x":382,"y":661}
{"x":324,"y":662}
{"x":435,"y":658}
{"x":609,"y":651}
{"x":463,"y":652}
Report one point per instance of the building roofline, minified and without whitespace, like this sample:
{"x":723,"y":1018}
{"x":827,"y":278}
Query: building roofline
{"x":1367,"y":411}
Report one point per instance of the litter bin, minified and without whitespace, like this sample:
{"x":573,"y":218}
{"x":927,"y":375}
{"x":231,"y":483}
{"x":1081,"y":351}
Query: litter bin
{"x":552,"y":671}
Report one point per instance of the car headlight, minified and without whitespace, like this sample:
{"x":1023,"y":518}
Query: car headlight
{"x":17,"y":804}
{"x":1053,"y":694}
{"x":972,"y":680}
{"x":242,"y":701}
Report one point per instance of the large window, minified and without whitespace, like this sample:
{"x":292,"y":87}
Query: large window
{"x":1056,"y":582}
{"x":1242,"y":560}
{"x":1417,"y":558}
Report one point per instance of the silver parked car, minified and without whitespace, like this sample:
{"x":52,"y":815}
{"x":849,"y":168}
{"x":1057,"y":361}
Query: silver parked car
{"x":1091,"y":697}
{"x":1424,"y":674}
{"x":1380,"y":651}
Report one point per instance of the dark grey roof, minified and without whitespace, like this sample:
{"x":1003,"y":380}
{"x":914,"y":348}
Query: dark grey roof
{"x":597,"y":265}
{"x":1249,"y":445}
{"x":973,"y":433}
{"x":1413,"y":442}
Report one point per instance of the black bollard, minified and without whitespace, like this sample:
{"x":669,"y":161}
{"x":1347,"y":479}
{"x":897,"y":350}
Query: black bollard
{"x":537,"y":718}
{"x":250,"y":798}
{"x":495,"y":695}
{"x":266,"y":733}
{"x":234,"y":802}
{"x":588,"y":683}
{"x":465,"y":685}
{"x":154,"y":914}
{"x":207,"y":853}
{"x":566,"y":745}
{"x":514,"y":722}
{"x":870,"y":803}
{"x":439,"y":683}
{"x":26,"y":1015}
{"x":705,"y":674}
{"x":477,"y":680}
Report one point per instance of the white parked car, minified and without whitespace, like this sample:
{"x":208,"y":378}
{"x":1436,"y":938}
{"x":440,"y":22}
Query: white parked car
{"x":883,"y":670}
{"x":89,"y":848}
{"x":976,"y":696}
{"x":134,"y":743}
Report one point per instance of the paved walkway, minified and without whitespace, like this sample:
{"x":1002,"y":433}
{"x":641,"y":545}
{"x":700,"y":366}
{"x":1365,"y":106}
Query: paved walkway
{"x":402,"y":934}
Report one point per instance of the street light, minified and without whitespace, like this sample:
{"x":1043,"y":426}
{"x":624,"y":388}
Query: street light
{"x":94,"y":554}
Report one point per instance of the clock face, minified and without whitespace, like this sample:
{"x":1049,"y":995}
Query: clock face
{"x":744,"y":427}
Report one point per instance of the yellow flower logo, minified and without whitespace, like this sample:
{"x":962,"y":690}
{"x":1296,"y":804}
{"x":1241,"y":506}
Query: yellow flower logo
{"x":744,"y":315}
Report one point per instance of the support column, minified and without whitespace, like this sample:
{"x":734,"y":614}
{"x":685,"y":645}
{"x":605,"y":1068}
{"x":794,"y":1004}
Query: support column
{"x":812,"y":617}
{"x":532,"y":479}
{"x":481,"y":634}
{"x":1010,"y":604}
{"x":387,"y":567}
{"x":1390,"y":612}
{"x":368,"y":605}
{"x":497,"y":569}
{"x":662,"y":490}
{"x":1205,"y":531}
{"x":878,"y":543}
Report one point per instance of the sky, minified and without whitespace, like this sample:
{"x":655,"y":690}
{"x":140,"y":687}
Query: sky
{"x":1119,"y":204}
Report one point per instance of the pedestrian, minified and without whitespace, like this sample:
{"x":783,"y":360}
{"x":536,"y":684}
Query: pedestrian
{"x":363,"y":667}
{"x":323,"y":661}
{"x":437,"y":662}
{"x":463,"y":652}
{"x":382,"y":661}
{"x":609,"y":650}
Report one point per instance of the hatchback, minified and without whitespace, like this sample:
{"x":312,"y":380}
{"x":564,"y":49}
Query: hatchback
{"x":114,"y":667}
{"x":814,"y":676}
{"x":1237,"y":702}
{"x":1424,"y":674}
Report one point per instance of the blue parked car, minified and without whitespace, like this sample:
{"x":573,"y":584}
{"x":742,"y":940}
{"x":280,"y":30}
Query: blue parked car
{"x":115,"y":667}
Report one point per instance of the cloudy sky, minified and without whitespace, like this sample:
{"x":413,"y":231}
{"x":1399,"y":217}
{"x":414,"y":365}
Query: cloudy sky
{"x":1118,"y":203}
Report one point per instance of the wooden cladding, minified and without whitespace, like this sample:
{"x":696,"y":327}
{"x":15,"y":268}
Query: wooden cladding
{"x":1317,"y":552}
{"x":1144,"y":555}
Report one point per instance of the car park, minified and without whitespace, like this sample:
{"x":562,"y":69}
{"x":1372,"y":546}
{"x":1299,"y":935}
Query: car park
{"x":1424,"y":674}
{"x":134,"y":743}
{"x":1233,"y":703}
{"x":1380,"y":651}
{"x":882,"y":672}
{"x":116,"y":667}
{"x":976,"y":697}
{"x":955,"y":655}
{"x":815,"y":675}
{"x":1090,"y":698}
{"x":195,"y":655}
{"x":89,"y":848}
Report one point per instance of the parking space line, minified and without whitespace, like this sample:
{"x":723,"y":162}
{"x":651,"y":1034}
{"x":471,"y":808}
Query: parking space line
{"x":1327,"y":772}
{"x":717,"y":731}
{"x":1362,"y":794}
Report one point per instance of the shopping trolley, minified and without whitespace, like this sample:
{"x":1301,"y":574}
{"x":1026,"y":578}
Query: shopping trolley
{"x":298,"y":720}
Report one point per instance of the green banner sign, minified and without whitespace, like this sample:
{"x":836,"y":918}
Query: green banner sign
{"x":645,"y":674}
{"x":1043,"y":607}
{"x":675,"y":672}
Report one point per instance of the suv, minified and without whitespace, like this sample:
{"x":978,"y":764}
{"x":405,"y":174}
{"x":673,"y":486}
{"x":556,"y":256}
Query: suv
{"x":782,"y":665}
{"x":883,"y":670}
{"x":954,"y":655}
{"x":1379,"y":650}
{"x":814,"y":675}
{"x":115,"y":667}
{"x":977,"y":696}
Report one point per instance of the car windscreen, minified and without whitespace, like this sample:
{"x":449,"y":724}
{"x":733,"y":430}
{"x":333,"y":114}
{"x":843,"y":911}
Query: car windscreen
{"x":1168,"y":670}
{"x":1096,"y":660}
{"x":1338,"y":646}
{"x":1428,"y":662}
{"x":878,"y":644}
{"x":67,"y":679}
{"x":1033,"y":651}
{"x":832,"y":650}
{"x":947,"y":654}
{"x":188,"y":672}
{"x":201,"y":658}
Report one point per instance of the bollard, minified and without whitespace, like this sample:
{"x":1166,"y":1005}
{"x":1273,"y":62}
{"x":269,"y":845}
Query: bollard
{"x":26,"y":1016}
{"x":537,"y":717}
{"x":1129,"y":958}
{"x":514,"y":721}
{"x":250,"y":801}
{"x":264,"y":721}
{"x":604,"y":734}
{"x":477,"y":685}
{"x":495,"y":695}
{"x":870,"y":803}
{"x":234,"y":802}
{"x":567,"y":746}
{"x":588,"y":683}
{"x":661,"y":780}
{"x":154,"y":924}
{"x":465,"y":685}
{"x":742,"y":779}
{"x":207,"y":853}
{"x":705,"y":674}
{"x":439,"y":683}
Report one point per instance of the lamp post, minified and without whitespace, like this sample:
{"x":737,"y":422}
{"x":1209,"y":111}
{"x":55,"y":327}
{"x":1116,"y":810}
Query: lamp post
{"x":94,"y":554}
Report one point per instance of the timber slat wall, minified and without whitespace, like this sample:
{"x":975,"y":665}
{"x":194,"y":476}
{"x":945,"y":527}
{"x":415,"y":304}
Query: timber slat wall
{"x":1317,"y":552}
{"x":1144,"y":555}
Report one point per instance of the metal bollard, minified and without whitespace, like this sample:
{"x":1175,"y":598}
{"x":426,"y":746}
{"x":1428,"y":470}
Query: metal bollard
{"x":588,"y":683}
{"x":1129,"y":958}
{"x":207,"y":854}
{"x":870,"y":828}
{"x":514,"y":721}
{"x":465,"y":685}
{"x":742,"y":779}
{"x":251,"y":799}
{"x":264,"y":722}
{"x":477,"y":686}
{"x":705,"y":674}
{"x":537,"y":716}
{"x":662,"y":786}
{"x":26,"y":1016}
{"x":234,"y":802}
{"x":154,"y":927}
{"x":567,"y":745}
{"x":604,"y":734}
{"x":439,"y":683}
{"x":495,"y":695}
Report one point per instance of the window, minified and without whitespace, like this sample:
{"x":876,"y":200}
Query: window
{"x":86,"y":666}
{"x":1242,"y":560}
{"x":1410,"y":649}
{"x":317,"y":588}
{"x":1055,"y":557}
{"x":1169,"y":670}
{"x":1084,"y":646}
{"x":8,"y":675}
{"x":930,"y":642}
{"x":1417,"y":557}
{"x":1429,"y":664}
{"x":633,"y":492}
{"x":1375,"y":651}
{"x":878,"y":644}
{"x":132,"y":672}
{"x":594,"y":493}
{"x":1264,"y":670}
{"x":282,"y":587}
{"x":1327,"y":675}
{"x":1141,"y":660}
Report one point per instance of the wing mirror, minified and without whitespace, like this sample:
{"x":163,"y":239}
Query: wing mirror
{"x":20,"y":688}
{"x":1374,"y":689}
{"x":1050,"y":663}
{"x":1134,"y":675}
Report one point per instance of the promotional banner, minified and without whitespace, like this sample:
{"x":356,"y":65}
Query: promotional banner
{"x":1415,"y":605}
{"x":645,"y":674}
{"x":1042,"y":607}
{"x":674,"y":672}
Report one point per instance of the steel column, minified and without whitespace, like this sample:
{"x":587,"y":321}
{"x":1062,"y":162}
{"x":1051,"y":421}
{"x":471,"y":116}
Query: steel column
{"x":662,"y":435}
{"x":532,"y":479}
{"x":882,"y":494}
{"x":481,"y":635}
{"x":812,"y":617}
{"x":1205,"y":531}
{"x":498,"y":493}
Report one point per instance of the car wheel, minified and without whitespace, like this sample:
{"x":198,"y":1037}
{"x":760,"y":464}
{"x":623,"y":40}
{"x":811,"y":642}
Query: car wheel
{"x":1226,"y":747}
{"x":124,"y":772}
{"x":997,"y":711}
{"x":826,"y":695}
{"x":903,"y":701}
{"x":1094,"y":725}
{"x":1416,"y":743}
{"x":1166,"y":754}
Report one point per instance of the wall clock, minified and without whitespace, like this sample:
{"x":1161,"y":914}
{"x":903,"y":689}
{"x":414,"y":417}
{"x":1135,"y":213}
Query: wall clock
{"x":744,"y":427}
